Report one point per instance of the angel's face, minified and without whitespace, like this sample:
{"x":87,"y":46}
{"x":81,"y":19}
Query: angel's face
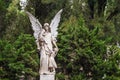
{"x":46,"y":28}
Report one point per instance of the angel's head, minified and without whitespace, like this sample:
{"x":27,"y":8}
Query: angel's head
{"x":47,"y":27}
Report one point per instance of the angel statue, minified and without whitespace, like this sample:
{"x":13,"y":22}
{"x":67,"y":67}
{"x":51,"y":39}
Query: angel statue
{"x":46,"y":42}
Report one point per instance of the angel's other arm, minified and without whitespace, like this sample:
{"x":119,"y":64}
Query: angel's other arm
{"x":54,"y":44}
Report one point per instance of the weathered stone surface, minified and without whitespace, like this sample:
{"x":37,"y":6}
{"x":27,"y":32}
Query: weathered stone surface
{"x":47,"y":77}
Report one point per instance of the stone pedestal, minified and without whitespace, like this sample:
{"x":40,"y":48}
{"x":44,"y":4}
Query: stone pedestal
{"x":47,"y":77}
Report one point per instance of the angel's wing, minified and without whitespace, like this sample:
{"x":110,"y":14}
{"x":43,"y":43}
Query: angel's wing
{"x":36,"y":26}
{"x":54,"y":24}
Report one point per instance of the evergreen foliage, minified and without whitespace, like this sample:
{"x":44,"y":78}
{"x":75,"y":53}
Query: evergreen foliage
{"x":18,"y":58}
{"x":16,"y":22}
{"x":83,"y":54}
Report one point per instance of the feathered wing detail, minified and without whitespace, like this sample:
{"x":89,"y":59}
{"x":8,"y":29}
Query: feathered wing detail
{"x":54,"y":24}
{"x":36,"y":26}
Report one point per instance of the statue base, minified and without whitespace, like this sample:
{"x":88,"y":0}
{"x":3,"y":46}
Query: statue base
{"x":47,"y":77}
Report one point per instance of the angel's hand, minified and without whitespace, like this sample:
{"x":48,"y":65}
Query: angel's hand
{"x":56,"y":49}
{"x":38,"y":49}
